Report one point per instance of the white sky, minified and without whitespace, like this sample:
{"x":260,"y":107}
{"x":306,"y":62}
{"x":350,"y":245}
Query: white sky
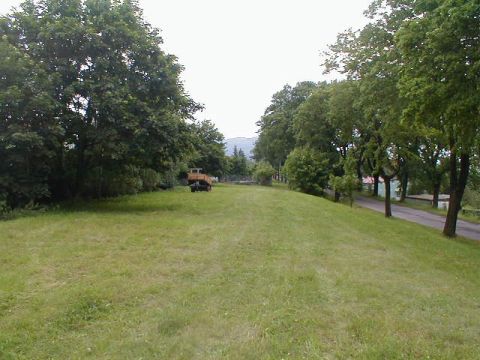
{"x":238,"y":53}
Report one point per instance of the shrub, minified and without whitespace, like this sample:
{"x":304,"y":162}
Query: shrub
{"x":150,"y":179}
{"x":125,"y":180}
{"x":344,"y":185}
{"x":471,"y":197}
{"x":3,"y":203}
{"x":307,"y":170}
{"x":263,"y":173}
{"x":128,"y":182}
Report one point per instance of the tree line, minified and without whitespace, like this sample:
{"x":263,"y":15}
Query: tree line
{"x":408,"y":107}
{"x":91,"y":106}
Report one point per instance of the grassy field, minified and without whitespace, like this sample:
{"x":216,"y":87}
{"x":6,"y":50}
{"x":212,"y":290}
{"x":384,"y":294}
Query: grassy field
{"x":238,"y":273}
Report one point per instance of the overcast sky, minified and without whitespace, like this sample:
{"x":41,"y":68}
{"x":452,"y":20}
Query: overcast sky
{"x":237,"y":53}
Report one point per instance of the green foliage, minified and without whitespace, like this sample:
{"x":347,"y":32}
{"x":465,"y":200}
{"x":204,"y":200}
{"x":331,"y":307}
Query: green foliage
{"x":28,"y":133}
{"x":311,"y":122}
{"x":86,"y":93}
{"x":344,"y":185}
{"x":441,"y":55}
{"x":277,"y":135}
{"x":263,"y":173}
{"x":3,"y":203}
{"x":150,"y":179}
{"x":129,"y":180}
{"x":440,"y":52}
{"x":209,"y":149}
{"x":347,"y":184}
{"x":238,"y":163}
{"x":307,"y":170}
{"x":472,"y":197}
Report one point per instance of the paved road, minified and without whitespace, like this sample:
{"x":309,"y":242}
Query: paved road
{"x":464,"y":228}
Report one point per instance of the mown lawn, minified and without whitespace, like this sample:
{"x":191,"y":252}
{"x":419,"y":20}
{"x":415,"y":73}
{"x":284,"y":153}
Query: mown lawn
{"x":238,"y":273}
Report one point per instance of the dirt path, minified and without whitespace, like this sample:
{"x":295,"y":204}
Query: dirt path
{"x":464,"y":228}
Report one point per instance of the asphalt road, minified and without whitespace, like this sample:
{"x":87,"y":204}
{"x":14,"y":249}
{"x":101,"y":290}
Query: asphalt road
{"x":464,"y":228}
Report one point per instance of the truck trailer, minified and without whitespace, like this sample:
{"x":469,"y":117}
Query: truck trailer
{"x":198,"y":181}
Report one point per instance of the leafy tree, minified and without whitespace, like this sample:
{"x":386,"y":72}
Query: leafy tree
{"x":238,"y":163}
{"x":263,"y":173}
{"x":440,"y":47}
{"x":209,"y":148}
{"x":371,"y":57}
{"x":307,"y":170}
{"x":331,"y":122}
{"x":348,"y":119}
{"x":29,"y":135}
{"x":90,"y":95}
{"x":348,"y":183}
{"x":312,"y":124}
{"x":344,"y":185}
{"x":276,"y":134}
{"x":434,"y":163}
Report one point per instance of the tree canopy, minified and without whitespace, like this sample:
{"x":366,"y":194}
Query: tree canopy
{"x":408,"y":108}
{"x":88,"y":99}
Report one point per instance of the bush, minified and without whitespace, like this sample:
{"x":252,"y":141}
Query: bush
{"x":3,"y":203}
{"x":128,"y":182}
{"x":344,"y":185}
{"x":122,"y":181}
{"x":169,"y":178}
{"x":263,"y":173}
{"x":150,"y":179}
{"x":471,"y":197}
{"x":307,"y":170}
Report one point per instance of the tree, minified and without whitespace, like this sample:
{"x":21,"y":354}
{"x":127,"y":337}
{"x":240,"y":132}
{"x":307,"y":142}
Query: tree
{"x":434,"y":162}
{"x":209,"y":148}
{"x":263,"y":173}
{"x":440,"y":48}
{"x":370,"y":56}
{"x":331,"y":122}
{"x":348,"y":183}
{"x":312,"y":124}
{"x":276,"y":134}
{"x":307,"y":170}
{"x":238,"y":163}
{"x":29,"y":135}
{"x":98,"y":97}
{"x":347,"y":117}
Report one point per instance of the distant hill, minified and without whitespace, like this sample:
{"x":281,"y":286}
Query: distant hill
{"x":246,"y":144}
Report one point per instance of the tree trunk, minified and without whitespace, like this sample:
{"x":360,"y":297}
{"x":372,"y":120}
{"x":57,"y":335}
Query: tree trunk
{"x":58,"y":182}
{"x":403,"y":194}
{"x":359,"y":169}
{"x":436,"y":195}
{"x":457,"y":188}
{"x":81,"y":167}
{"x":337,"y":196}
{"x":388,"y":204}
{"x":375,"y":185}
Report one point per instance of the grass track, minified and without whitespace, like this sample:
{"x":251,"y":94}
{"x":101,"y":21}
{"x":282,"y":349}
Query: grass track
{"x":239,"y":273}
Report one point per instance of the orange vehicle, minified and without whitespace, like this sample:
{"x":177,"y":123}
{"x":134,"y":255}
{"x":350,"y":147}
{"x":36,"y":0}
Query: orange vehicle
{"x":198,"y":181}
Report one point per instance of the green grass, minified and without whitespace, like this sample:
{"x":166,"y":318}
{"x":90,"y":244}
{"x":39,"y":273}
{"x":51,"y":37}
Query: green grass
{"x":243,"y":272}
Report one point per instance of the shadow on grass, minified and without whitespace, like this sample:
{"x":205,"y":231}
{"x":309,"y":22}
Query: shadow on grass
{"x":122,"y":205}
{"x":127,"y":208}
{"x":128,"y":204}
